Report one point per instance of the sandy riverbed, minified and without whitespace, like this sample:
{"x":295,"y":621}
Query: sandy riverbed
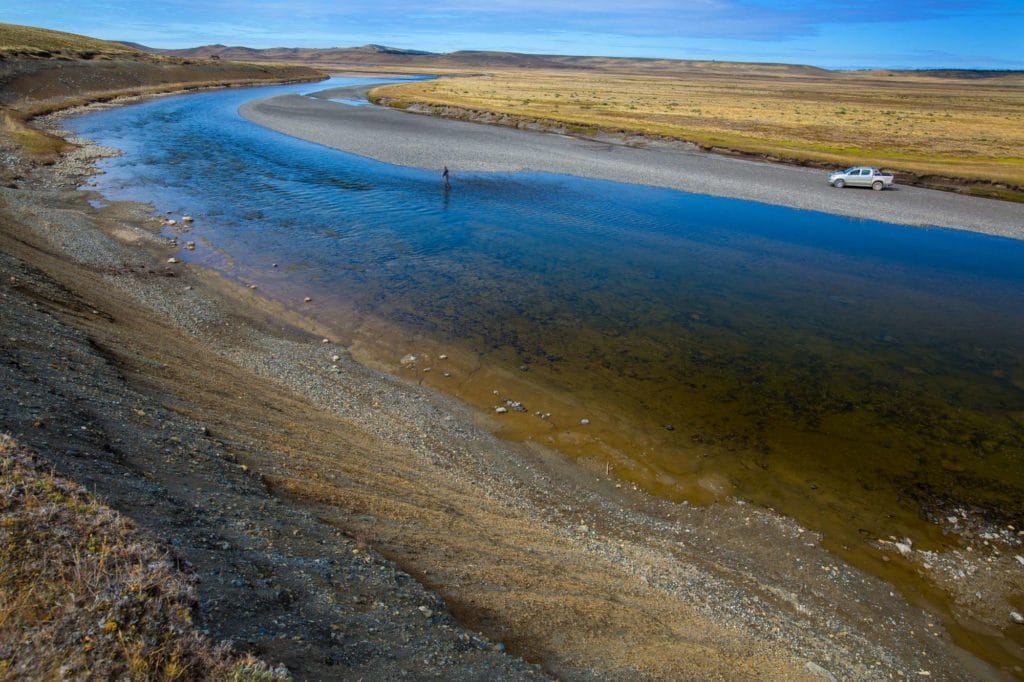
{"x":421,"y":141}
{"x":590,"y":580}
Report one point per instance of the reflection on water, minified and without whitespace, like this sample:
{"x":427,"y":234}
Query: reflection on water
{"x":856,"y":375}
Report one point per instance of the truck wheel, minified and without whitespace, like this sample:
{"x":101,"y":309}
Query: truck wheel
{"x":877,"y":185}
{"x":838,"y":184}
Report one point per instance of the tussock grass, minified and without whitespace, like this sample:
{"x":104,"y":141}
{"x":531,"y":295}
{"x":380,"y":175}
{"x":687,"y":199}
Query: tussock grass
{"x":83,"y":595}
{"x":921,"y":124}
{"x":31,"y":141}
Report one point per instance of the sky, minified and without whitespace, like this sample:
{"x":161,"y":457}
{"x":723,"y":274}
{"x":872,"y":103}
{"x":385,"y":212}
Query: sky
{"x":985,"y":34}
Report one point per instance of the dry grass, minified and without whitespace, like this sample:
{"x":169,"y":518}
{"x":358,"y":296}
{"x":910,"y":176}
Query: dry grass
{"x":31,"y":141}
{"x":83,"y":595}
{"x":971,"y":129}
{"x":27,"y":40}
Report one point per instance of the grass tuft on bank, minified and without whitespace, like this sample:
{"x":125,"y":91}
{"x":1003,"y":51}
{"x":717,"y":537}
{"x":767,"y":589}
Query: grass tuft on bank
{"x":84,"y":594}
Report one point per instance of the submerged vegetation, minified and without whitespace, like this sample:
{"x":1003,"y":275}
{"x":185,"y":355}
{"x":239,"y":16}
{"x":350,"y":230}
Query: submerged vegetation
{"x":940,"y":130}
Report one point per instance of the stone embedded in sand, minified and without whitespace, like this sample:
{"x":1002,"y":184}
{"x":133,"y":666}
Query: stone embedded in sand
{"x":584,"y":422}
{"x":501,"y":410}
{"x":1016,"y":618}
{"x":335,"y":358}
{"x":442,"y":356}
{"x":407,"y":360}
{"x":307,"y":300}
{"x":191,"y":246}
{"x":252,"y":286}
{"x":186,"y":218}
{"x":325,"y":340}
{"x":820,"y":672}
{"x":172,"y":260}
{"x":172,"y":222}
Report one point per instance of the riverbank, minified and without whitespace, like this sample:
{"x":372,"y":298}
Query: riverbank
{"x":296,"y":468}
{"x":399,"y":138}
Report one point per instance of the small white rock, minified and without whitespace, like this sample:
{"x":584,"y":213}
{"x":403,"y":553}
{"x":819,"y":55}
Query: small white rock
{"x":442,"y":356}
{"x":1016,"y":618}
{"x":172,"y":260}
{"x":186,"y":218}
{"x":501,"y":410}
{"x":252,"y":286}
{"x":325,"y":340}
{"x":407,"y":360}
{"x":903,"y":548}
{"x":335,"y":358}
{"x":584,"y":422}
{"x":307,"y":300}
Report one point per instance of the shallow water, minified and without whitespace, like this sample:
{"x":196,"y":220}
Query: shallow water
{"x":859,"y":376}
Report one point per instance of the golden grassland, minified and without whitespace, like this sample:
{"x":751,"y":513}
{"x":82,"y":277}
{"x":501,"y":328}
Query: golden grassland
{"x":83,"y":595}
{"x":29,"y":40}
{"x":927,"y":125}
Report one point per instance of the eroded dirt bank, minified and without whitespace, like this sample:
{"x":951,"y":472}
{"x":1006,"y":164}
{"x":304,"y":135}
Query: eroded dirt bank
{"x":353,"y":525}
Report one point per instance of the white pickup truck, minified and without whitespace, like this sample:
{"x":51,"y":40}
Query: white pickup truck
{"x":860,"y":176}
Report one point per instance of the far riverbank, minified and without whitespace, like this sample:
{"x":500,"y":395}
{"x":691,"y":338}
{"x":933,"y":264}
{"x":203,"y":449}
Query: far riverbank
{"x":420,"y":141}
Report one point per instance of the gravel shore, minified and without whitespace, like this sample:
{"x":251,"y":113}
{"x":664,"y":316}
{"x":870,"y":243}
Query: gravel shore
{"x":404,"y":139}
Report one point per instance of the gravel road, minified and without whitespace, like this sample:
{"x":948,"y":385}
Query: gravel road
{"x":405,"y":139}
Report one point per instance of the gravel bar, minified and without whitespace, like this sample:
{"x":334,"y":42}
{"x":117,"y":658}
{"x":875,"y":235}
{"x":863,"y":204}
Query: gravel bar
{"x":420,"y":141}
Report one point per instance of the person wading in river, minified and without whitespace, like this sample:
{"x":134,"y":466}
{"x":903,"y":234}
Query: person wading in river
{"x":444,"y":175}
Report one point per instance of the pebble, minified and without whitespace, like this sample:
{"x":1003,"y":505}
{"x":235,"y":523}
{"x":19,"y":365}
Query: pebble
{"x":252,"y":286}
{"x":335,"y":358}
{"x":325,"y":340}
{"x":816,"y":669}
{"x":172,"y":260}
{"x":584,"y":422}
{"x":307,"y":300}
{"x":407,"y":360}
{"x":1016,"y":617}
{"x":501,"y":410}
{"x":186,"y":218}
{"x":442,"y":356}
{"x":191,"y":246}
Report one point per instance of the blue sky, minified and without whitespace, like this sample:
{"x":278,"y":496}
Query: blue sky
{"x":852,"y":34}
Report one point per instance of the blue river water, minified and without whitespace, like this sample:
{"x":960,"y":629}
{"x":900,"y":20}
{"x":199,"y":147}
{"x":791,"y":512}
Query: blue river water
{"x":851,"y":373}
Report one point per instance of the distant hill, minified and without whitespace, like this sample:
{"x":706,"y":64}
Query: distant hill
{"x":382,"y":56}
